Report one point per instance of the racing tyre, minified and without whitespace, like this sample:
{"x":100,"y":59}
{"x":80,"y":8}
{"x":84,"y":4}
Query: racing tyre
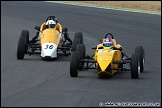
{"x":135,"y":66}
{"x":74,"y":63}
{"x":22,"y":48}
{"x":80,"y":36}
{"x":140,"y":50}
{"x":81,"y":51}
{"x":76,"y":41}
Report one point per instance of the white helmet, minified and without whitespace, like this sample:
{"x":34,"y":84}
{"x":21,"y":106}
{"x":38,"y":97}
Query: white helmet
{"x":50,"y":24}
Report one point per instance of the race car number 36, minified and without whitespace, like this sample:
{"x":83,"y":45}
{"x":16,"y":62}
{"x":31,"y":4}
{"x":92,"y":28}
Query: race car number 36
{"x":48,"y":46}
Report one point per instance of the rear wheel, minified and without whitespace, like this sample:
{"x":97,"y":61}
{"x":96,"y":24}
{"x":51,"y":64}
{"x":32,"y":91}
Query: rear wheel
{"x":140,"y":50}
{"x":74,"y":64}
{"x":23,"y":41}
{"x":79,"y":35}
{"x":76,"y":41}
{"x":135,"y":66}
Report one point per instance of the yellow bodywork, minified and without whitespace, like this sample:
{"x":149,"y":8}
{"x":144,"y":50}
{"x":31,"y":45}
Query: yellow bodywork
{"x":105,"y":57}
{"x":50,"y":34}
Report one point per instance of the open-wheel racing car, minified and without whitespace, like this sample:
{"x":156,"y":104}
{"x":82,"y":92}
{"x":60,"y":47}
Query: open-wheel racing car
{"x":50,"y":41}
{"x":107,"y":60}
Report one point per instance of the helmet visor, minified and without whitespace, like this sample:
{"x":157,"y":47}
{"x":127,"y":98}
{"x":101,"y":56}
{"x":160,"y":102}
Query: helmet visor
{"x":51,"y":25}
{"x":108,"y":44}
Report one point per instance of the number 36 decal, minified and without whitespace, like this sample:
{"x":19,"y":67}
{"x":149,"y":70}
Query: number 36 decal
{"x":49,"y":46}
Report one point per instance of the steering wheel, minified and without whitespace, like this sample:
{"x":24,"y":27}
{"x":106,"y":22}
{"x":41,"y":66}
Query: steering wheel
{"x":110,"y":35}
{"x":51,"y":18}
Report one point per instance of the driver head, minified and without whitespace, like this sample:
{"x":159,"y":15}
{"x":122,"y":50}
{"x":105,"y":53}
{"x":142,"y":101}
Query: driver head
{"x":50,"y":24}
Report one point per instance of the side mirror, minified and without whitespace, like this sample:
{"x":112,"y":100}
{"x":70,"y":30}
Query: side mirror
{"x":64,"y":30}
{"x":37,"y":28}
{"x":100,"y":47}
{"x":94,"y":47}
{"x":117,"y":48}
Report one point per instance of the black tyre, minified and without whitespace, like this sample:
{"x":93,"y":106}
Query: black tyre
{"x":135,"y":66}
{"x":74,"y":64}
{"x":23,"y":41}
{"x":76,"y":41}
{"x":140,"y":50}
{"x":80,"y":36}
{"x":81,"y":49}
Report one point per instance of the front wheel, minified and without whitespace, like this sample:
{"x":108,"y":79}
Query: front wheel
{"x":74,"y":64}
{"x":23,"y":40}
{"x":81,"y":49}
{"x":140,"y":50}
{"x":135,"y":66}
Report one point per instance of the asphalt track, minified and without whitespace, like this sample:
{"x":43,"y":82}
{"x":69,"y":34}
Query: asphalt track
{"x":34,"y":82}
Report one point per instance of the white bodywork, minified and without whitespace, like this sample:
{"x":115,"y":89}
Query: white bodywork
{"x":49,"y":50}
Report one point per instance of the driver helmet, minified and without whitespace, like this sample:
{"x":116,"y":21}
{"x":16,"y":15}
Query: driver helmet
{"x":107,"y":42}
{"x":50,"y":24}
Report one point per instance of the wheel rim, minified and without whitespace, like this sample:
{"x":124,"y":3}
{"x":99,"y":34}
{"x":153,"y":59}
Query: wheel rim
{"x":143,"y":61}
{"x":138,"y":68}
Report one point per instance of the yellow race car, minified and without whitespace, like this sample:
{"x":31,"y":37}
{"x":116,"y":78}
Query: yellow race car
{"x":50,"y":41}
{"x":108,"y":59}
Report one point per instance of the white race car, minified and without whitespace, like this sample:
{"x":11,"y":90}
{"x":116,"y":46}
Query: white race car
{"x":48,"y":42}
